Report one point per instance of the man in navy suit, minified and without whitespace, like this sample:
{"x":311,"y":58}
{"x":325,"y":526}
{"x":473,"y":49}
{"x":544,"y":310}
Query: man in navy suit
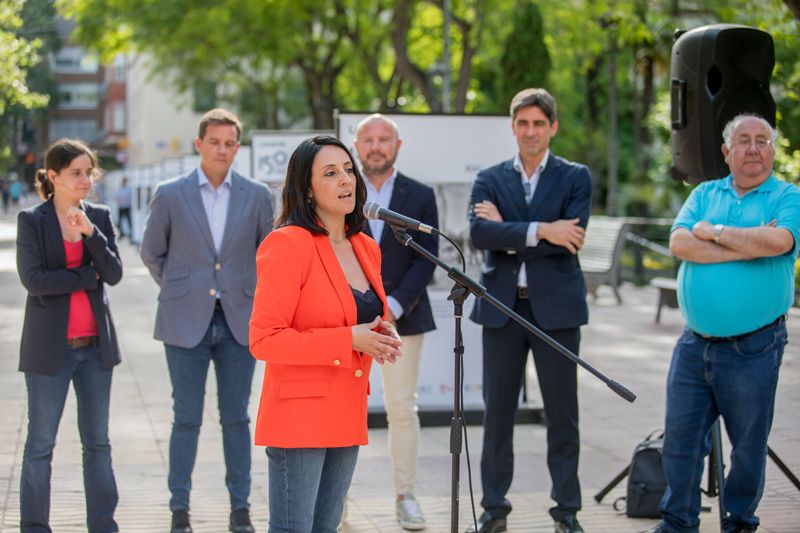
{"x":529,"y":214}
{"x":406,"y":275}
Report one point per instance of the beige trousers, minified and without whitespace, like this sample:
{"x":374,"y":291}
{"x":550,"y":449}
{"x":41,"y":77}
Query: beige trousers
{"x":400,"y":402}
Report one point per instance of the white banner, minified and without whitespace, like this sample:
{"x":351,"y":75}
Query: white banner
{"x":243,"y":163}
{"x":172,"y":167}
{"x":271,"y":151}
{"x":436,"y":372}
{"x":444,"y":148}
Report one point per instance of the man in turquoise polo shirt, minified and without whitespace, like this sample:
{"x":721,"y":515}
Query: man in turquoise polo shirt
{"x":737,"y":237}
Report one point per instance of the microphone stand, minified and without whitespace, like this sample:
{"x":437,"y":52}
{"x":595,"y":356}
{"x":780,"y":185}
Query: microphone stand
{"x":464,"y":285}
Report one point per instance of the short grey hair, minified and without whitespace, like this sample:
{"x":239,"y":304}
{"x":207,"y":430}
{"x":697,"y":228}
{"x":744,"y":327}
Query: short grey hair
{"x":378,"y":116}
{"x":727,"y":133}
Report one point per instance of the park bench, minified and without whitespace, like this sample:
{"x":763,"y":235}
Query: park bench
{"x":667,"y":287}
{"x":667,"y":294}
{"x":601,"y":252}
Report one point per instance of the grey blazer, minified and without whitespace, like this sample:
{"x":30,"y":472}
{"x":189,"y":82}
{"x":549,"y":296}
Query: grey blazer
{"x":178,"y":249}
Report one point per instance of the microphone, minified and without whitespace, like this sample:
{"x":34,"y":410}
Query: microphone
{"x":373,"y":211}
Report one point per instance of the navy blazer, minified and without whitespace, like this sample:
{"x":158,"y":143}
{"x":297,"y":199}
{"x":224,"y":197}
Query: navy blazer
{"x":405,"y":273}
{"x":555,"y":281}
{"x":42,"y":268}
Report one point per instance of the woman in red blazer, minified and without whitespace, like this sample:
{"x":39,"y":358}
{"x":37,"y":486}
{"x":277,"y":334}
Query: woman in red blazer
{"x":317,"y":322}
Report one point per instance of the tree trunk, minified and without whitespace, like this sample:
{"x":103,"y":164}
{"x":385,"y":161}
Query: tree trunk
{"x":794,"y":7}
{"x":471,"y":43}
{"x":407,"y":69}
{"x":320,"y":101}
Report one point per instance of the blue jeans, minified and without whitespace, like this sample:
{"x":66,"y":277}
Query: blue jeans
{"x":307,"y":488}
{"x":46,"y":397}
{"x":188,"y":369}
{"x":736,"y":380}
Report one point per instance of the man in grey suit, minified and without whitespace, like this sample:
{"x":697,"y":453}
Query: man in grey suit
{"x":200,"y":243}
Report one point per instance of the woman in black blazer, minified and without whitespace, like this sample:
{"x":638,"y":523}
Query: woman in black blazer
{"x":65,"y":255}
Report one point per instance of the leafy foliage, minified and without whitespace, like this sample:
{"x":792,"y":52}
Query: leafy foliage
{"x":17,"y":56}
{"x":286,"y":63}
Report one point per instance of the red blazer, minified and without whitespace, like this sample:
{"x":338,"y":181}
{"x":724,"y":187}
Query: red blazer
{"x":315,"y":386}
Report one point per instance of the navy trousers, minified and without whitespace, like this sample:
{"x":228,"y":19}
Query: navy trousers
{"x":505,"y":352}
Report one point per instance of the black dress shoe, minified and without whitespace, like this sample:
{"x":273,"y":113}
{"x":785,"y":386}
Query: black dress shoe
{"x":568,"y":524}
{"x":180,"y":522}
{"x":487,"y":524}
{"x":240,"y":521}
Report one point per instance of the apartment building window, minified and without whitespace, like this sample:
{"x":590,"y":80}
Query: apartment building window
{"x":119,"y":68}
{"x":78,"y":95}
{"x":85,"y":129}
{"x":118,"y":116}
{"x":75,"y":60}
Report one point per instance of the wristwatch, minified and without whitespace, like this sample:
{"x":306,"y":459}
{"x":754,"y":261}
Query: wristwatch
{"x":717,"y":232}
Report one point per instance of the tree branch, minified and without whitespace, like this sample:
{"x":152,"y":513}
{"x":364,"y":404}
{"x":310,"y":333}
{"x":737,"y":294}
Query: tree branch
{"x":408,"y":70}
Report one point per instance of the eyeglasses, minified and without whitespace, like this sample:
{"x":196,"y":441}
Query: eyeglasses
{"x":744,"y":143}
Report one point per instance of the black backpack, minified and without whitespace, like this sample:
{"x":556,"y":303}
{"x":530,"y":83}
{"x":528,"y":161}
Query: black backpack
{"x":646,"y":479}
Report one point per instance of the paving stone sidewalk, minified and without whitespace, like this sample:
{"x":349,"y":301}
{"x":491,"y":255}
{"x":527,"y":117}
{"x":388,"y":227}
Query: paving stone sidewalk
{"x":621,"y":340}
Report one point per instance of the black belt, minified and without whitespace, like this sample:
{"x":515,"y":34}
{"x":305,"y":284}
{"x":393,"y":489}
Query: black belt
{"x":522,"y":293}
{"x":733,"y":338}
{"x":82,"y":342}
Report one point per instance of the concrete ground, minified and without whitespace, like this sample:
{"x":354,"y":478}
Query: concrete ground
{"x":621,"y":340}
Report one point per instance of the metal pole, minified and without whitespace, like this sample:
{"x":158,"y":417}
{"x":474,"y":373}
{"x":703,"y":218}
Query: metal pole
{"x":446,"y":59}
{"x":611,"y":198}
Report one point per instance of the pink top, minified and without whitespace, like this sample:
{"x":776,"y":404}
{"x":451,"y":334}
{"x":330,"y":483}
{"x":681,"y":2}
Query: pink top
{"x":81,"y":317}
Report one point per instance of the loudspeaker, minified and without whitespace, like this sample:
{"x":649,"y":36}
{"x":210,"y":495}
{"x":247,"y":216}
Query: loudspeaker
{"x":717,"y":72}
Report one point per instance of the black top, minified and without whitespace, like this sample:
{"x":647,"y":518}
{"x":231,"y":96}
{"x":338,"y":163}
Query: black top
{"x":368,"y":305}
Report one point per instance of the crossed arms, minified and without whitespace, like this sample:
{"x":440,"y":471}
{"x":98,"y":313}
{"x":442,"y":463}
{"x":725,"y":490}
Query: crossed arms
{"x":735,"y":244}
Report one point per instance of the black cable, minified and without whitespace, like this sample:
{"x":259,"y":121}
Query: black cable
{"x":463,"y":261}
{"x":466,"y":452}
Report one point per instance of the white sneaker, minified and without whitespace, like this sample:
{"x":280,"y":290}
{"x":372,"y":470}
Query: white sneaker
{"x":409,"y":513}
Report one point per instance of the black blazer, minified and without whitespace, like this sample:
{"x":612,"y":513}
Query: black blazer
{"x":42,"y":268}
{"x":555,"y":281}
{"x":405,"y":273}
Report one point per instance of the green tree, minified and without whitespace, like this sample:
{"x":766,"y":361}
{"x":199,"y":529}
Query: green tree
{"x":17,"y":56}
{"x":265,"y":57}
{"x":525,"y":61}
{"x":417,"y":37}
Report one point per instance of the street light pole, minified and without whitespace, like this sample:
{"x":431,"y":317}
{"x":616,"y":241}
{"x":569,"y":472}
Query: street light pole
{"x":446,"y":59}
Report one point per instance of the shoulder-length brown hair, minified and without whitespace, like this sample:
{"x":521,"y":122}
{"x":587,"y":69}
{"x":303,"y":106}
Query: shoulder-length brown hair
{"x":296,"y":209}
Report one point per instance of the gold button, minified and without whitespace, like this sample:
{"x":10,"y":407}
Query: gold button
{"x":337,"y":362}
{"x":359,"y":373}
{"x":212,"y":292}
{"x":218,"y":266}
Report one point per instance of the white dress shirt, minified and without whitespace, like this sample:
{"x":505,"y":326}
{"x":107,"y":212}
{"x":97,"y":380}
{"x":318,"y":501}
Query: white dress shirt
{"x":382,"y":197}
{"x":215,"y":203}
{"x":529,"y":184}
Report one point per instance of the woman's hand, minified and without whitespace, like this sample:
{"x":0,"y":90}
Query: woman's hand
{"x":78,"y":219}
{"x":388,"y":327}
{"x":382,"y":345}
